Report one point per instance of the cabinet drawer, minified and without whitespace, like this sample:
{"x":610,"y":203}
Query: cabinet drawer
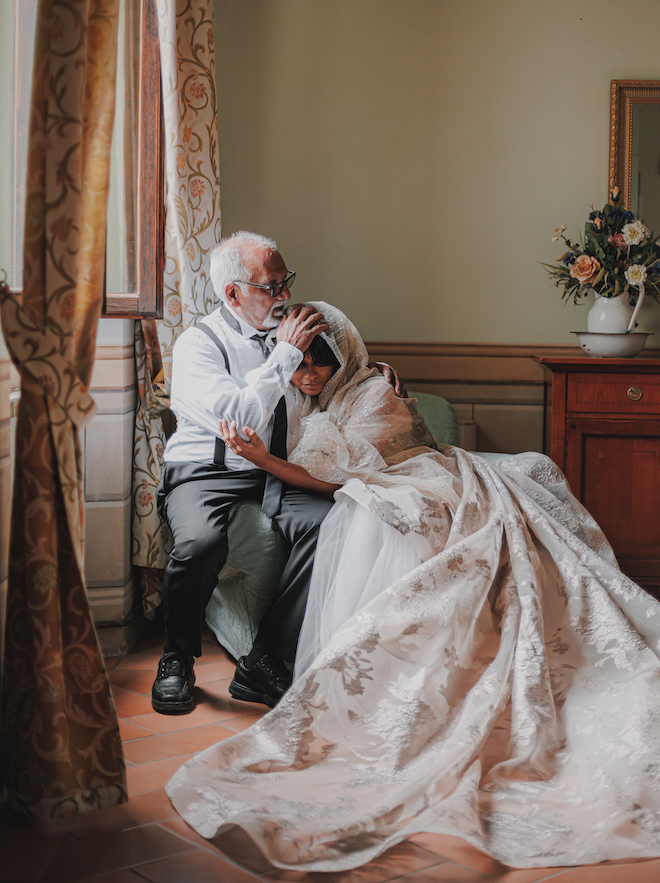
{"x":613,"y":393}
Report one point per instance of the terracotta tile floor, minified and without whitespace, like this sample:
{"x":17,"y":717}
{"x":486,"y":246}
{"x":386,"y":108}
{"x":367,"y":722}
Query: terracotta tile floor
{"x":145,"y":839}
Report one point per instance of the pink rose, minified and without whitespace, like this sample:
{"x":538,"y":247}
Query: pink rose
{"x":584,"y":269}
{"x":617,"y":240}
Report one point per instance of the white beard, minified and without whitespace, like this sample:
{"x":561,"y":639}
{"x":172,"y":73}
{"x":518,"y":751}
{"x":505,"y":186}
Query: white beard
{"x":272,"y":321}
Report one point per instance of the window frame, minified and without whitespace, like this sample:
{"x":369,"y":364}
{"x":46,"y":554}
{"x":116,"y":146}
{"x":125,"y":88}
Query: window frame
{"x":147,"y":300}
{"x":23,"y":23}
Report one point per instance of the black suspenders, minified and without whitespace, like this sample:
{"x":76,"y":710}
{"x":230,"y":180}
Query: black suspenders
{"x":219,"y":455}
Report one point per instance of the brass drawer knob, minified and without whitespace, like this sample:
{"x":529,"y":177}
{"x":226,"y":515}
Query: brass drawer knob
{"x":634,"y":393}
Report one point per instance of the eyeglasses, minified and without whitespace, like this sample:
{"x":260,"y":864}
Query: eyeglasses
{"x":275,"y":290}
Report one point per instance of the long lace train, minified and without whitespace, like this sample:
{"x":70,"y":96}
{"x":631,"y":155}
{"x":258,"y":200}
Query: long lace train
{"x":506,"y":690}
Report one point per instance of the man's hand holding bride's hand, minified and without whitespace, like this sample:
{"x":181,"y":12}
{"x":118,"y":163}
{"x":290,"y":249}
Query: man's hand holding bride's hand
{"x":300,"y":326}
{"x":253,"y":449}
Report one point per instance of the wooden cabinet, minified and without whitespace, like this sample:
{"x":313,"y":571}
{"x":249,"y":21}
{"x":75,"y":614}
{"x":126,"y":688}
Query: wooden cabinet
{"x":605,"y":436}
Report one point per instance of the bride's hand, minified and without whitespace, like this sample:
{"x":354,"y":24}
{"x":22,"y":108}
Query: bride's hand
{"x":253,"y":449}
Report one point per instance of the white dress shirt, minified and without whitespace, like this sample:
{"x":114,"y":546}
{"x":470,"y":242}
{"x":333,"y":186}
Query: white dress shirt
{"x":203,"y":391}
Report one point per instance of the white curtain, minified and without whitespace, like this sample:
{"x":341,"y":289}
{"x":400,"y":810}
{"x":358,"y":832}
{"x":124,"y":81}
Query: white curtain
{"x":192,"y":229}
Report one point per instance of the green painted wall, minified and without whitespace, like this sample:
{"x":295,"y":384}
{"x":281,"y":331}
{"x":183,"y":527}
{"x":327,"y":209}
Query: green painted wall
{"x":412,"y":157}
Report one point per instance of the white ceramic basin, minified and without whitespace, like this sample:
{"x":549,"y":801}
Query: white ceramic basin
{"x":612,"y":346}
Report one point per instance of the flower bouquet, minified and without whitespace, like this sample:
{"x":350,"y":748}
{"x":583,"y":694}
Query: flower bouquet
{"x":616,"y":254}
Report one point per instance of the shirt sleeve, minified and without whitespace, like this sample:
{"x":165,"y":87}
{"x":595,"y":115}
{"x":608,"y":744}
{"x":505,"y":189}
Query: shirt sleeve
{"x":203,"y":391}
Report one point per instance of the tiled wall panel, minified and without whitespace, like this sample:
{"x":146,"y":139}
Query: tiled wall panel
{"x":107,"y":446}
{"x":108,"y":450}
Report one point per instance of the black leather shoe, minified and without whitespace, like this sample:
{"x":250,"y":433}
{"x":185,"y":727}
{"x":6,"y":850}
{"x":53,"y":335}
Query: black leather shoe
{"x":266,"y":682}
{"x":172,"y":692}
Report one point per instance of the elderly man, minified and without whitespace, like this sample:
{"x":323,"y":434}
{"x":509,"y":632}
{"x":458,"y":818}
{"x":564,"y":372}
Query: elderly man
{"x":235,"y":364}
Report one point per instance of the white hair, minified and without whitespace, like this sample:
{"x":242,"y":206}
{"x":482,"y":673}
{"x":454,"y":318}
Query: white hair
{"x":226,"y":263}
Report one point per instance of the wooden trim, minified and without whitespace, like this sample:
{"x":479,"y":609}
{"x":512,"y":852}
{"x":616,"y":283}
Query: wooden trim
{"x":121,"y":306}
{"x":579,"y":365}
{"x":644,"y":572}
{"x":509,"y":350}
{"x":500,"y":350}
{"x":558,"y":443}
{"x":483,"y":363}
{"x":147,"y":301}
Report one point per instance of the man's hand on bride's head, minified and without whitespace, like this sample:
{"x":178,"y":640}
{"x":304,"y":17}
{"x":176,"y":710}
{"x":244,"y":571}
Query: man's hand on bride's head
{"x":300,"y":326}
{"x":253,"y":449}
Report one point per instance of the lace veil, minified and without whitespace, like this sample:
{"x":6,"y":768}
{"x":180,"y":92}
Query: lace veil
{"x":359,"y":426}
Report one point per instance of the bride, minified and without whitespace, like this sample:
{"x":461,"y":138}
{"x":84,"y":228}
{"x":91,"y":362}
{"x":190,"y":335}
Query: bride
{"x":472,"y":663}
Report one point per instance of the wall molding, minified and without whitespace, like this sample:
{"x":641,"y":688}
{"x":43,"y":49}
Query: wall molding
{"x":484,"y":363}
{"x":114,"y":367}
{"x":115,"y":351}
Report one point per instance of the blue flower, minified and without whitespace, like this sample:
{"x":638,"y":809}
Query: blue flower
{"x":569,"y":258}
{"x":623,"y":214}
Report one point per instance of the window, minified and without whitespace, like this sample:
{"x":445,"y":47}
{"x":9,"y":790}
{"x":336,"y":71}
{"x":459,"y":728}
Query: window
{"x":134,"y":258}
{"x":134,"y":251}
{"x":17,"y":67}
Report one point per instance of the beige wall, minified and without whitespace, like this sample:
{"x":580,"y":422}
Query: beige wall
{"x":108,"y":450}
{"x":413,"y":157}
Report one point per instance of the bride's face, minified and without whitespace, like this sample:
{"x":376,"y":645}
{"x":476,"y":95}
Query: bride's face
{"x":310,"y":378}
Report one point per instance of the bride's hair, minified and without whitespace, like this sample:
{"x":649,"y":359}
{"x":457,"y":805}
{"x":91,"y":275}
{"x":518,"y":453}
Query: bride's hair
{"x":322,"y":355}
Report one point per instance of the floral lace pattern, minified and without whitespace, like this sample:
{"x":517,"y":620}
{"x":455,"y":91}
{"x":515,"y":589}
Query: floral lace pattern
{"x":506,"y":690}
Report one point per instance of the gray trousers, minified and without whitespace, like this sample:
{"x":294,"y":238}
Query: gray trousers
{"x":194,"y":500}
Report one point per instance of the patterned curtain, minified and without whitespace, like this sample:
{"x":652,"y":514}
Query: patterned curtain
{"x":192,"y":229}
{"x":60,"y":727}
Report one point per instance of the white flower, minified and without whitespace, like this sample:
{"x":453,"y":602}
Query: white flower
{"x":635,"y":274}
{"x":558,"y":232}
{"x":634,"y":233}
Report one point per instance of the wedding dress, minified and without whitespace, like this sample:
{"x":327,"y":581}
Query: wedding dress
{"x":485,"y":670}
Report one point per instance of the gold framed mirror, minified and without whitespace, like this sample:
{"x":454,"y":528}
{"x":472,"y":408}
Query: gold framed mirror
{"x":635,"y":147}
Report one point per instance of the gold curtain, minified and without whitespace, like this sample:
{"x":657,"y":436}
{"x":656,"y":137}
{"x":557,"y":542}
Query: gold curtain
{"x":192,"y":229}
{"x":61,"y":735}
